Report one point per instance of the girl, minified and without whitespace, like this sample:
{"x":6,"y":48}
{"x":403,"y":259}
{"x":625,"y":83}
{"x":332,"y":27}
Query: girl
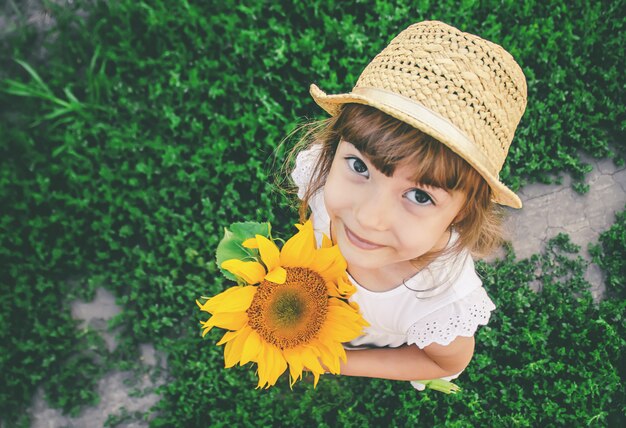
{"x":404,"y":178}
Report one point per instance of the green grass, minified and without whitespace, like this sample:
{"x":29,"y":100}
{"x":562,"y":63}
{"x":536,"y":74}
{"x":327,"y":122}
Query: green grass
{"x":133,"y":133}
{"x":609,"y":255}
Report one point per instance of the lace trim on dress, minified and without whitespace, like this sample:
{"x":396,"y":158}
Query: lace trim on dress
{"x":303,"y":171}
{"x":460,"y":318}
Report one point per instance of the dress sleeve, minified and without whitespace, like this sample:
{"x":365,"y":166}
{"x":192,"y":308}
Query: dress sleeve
{"x":460,"y":318}
{"x":301,"y":175}
{"x":303,"y":171}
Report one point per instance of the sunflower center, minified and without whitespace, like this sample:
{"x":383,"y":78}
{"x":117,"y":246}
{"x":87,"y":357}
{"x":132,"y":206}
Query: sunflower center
{"x":290,"y":314}
{"x":288,"y":309}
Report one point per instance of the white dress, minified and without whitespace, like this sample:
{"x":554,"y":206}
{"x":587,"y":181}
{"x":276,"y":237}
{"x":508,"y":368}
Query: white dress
{"x":439,"y":303}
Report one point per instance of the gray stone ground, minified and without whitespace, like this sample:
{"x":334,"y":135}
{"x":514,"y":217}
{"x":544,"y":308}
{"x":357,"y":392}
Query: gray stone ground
{"x":552,"y":209}
{"x":548,"y":210}
{"x":116,"y":389}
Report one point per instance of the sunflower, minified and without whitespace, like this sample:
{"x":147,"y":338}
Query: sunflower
{"x":292,"y":311}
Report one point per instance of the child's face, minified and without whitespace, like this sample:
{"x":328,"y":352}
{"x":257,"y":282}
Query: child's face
{"x":382,"y":222}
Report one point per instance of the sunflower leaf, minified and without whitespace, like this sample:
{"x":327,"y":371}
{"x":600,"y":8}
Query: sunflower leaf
{"x":230,"y":247}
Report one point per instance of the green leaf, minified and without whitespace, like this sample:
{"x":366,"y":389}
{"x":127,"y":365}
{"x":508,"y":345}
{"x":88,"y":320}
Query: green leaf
{"x":34,"y":75}
{"x":230,"y":247}
{"x":441,"y":385}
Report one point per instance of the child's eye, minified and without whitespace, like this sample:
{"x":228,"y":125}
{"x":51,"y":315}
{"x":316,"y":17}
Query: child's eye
{"x":419,"y":197}
{"x":357,"y":165}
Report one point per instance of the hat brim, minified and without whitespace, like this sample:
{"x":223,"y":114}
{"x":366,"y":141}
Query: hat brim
{"x":332,"y":105}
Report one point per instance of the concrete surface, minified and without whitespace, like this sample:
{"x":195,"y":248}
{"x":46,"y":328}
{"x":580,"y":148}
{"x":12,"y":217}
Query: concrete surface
{"x":117,"y":390}
{"x":552,"y":209}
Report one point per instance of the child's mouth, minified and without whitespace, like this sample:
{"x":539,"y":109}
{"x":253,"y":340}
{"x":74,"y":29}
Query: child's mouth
{"x":359,"y":242}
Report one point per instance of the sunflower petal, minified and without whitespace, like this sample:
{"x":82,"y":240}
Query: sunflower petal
{"x":312,"y":363}
{"x":309,"y":358}
{"x":328,"y":355}
{"x":216,"y":300}
{"x":337,"y":327}
{"x":277,"y":276}
{"x":228,"y":336}
{"x":277,"y":367}
{"x":230,"y":356}
{"x":326,"y":242}
{"x":234,"y":299}
{"x":237,"y":346}
{"x":295,"y":365}
{"x":269,"y":253}
{"x":251,"y":348}
{"x":351,"y":308}
{"x":329,"y":263}
{"x":205,"y":328}
{"x":227,"y":354}
{"x":250,"y":243}
{"x":316,"y":378}
{"x":344,"y":287}
{"x":227,"y":320}
{"x":345,"y":334}
{"x":263,"y":366}
{"x":299,"y":250}
{"x":271,"y":366}
{"x":251,"y":272}
{"x":352,"y":319}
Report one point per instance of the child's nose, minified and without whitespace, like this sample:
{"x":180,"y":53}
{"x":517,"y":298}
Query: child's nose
{"x":374,"y":213}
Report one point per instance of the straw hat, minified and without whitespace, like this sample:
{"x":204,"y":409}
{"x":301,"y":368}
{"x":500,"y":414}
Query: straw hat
{"x":465,"y":91}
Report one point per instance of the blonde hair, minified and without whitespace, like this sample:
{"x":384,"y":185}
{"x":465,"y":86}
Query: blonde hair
{"x":387,"y":142}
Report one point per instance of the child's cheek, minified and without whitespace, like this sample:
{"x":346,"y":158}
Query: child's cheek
{"x":338,"y":196}
{"x":330,"y":200}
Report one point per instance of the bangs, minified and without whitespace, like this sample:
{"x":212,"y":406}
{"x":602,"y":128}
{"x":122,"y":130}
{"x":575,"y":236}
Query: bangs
{"x":388,"y":142}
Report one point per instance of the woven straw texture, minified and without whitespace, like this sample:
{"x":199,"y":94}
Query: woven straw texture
{"x":465,"y":91}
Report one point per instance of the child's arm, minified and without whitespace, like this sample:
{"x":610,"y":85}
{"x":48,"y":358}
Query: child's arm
{"x":410,"y":362}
